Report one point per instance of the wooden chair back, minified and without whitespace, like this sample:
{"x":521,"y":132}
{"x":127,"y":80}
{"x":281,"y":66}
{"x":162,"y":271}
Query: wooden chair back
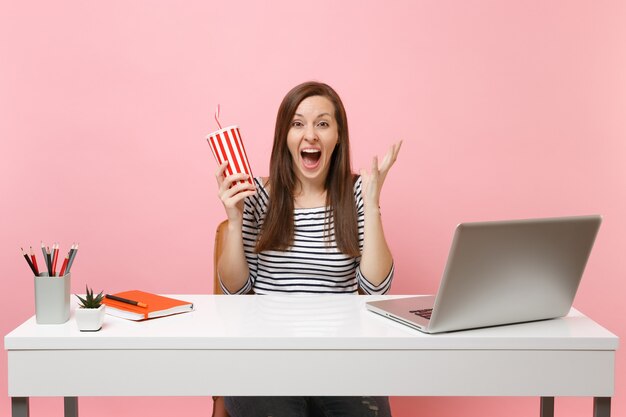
{"x":217,"y":252}
{"x":219,"y":410}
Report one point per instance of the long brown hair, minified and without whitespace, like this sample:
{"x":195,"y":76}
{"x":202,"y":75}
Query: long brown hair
{"x":278,"y":229}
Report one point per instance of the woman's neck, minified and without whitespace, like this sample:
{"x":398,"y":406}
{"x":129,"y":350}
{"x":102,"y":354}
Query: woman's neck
{"x":308,"y":195}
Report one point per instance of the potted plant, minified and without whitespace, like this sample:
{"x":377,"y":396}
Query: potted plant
{"x":90,"y":314}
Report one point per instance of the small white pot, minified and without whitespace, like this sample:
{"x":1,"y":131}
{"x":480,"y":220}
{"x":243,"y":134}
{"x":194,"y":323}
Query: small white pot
{"x":90,"y":319}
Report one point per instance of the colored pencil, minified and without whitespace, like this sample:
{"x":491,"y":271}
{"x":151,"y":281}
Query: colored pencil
{"x":70,"y":253}
{"x":49,"y":260}
{"x":45,"y":256}
{"x":126,"y":300}
{"x":72,"y":256}
{"x":34,"y":259}
{"x":55,"y":256}
{"x":30,"y":263}
{"x":64,"y":266}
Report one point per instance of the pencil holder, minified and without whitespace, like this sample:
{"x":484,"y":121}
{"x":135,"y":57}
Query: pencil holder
{"x":52,"y":299}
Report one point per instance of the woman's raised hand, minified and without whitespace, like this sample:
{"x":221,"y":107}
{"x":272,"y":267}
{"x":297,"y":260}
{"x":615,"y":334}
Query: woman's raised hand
{"x":232,"y":192}
{"x":373,"y":181}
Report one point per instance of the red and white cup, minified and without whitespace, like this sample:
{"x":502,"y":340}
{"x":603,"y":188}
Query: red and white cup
{"x":226,"y":145}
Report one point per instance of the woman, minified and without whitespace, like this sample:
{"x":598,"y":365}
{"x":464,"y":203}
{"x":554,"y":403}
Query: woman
{"x":311,"y":227}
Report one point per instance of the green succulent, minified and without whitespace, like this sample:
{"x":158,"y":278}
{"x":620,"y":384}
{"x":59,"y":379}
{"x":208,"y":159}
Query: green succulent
{"x":90,"y":301}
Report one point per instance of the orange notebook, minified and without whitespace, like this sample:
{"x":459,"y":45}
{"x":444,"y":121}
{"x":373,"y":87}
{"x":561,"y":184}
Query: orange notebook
{"x":158,"y":305}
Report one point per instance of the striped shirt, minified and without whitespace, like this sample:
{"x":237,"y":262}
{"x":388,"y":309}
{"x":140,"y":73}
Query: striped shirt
{"x":313,"y":264}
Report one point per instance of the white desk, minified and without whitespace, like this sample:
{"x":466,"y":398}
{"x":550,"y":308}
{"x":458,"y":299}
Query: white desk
{"x":307,"y":345}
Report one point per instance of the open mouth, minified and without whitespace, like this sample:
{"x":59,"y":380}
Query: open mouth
{"x":310,"y":157}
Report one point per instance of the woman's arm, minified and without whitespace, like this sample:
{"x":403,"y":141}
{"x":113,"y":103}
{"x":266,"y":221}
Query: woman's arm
{"x":376,"y":260}
{"x":232,"y":265}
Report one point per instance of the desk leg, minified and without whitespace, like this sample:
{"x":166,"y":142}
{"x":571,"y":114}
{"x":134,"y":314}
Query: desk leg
{"x":20,"y":407}
{"x":71,"y":406}
{"x":547,"y":407}
{"x":601,"y":406}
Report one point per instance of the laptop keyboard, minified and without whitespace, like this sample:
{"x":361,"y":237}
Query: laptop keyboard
{"x":426,"y":312}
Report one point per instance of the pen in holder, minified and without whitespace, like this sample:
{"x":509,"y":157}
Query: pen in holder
{"x":52,"y":299}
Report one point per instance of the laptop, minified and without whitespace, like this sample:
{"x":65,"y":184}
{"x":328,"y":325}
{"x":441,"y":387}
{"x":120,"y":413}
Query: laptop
{"x":500,"y":273}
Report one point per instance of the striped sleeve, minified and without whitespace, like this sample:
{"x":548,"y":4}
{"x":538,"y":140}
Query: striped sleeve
{"x":369,"y":288}
{"x":250,"y":230}
{"x":364,"y":283}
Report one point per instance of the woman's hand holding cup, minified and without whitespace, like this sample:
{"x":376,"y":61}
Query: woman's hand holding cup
{"x":232,"y":190}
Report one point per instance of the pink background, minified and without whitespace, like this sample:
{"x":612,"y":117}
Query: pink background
{"x":508,"y":109}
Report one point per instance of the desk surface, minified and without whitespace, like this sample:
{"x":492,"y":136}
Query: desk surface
{"x":307,"y":345}
{"x":302,"y":322}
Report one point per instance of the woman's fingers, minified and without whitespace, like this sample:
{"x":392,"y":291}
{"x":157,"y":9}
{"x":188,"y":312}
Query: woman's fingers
{"x":232,"y":199}
{"x":231,"y":180}
{"x":232,"y":190}
{"x":373,"y":181}
{"x":227,"y":180}
{"x":390,"y":157}
{"x":219,"y":174}
{"x":229,"y":188}
{"x":236,"y":199}
{"x":396,"y":151}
